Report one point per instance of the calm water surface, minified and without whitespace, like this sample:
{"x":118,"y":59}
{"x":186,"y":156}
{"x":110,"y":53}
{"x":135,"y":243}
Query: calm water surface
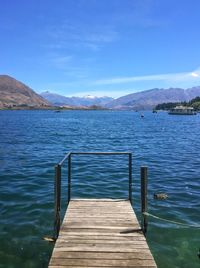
{"x":32,"y":142}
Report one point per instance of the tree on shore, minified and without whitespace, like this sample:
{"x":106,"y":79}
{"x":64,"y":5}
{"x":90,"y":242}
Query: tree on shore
{"x":195,"y":103}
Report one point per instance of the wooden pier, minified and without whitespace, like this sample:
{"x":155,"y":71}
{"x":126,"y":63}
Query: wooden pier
{"x":101,"y":233}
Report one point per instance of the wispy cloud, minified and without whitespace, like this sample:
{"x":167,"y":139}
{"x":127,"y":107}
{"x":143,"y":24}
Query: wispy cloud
{"x":58,"y":61}
{"x":61,"y":61}
{"x":170,"y":77}
{"x":75,"y":35}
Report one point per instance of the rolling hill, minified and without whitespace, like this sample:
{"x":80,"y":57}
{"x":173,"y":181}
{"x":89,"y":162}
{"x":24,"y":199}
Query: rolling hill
{"x":13,"y":93}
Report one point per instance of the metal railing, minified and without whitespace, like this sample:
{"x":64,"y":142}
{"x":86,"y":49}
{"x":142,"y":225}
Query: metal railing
{"x":144,"y":195}
{"x":58,"y":176}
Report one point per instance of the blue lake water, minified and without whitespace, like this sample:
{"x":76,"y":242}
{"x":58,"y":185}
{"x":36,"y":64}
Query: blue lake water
{"x":32,"y":142}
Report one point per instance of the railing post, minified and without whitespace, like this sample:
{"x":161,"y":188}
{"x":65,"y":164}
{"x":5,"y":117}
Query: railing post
{"x":69,"y":178}
{"x":57,"y":191}
{"x":130,"y":178}
{"x":144,"y":177}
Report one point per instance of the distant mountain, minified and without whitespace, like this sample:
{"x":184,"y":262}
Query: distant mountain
{"x":89,"y":100}
{"x":148,"y":99}
{"x":14,"y":93}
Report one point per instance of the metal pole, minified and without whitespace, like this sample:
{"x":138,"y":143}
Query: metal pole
{"x":144,"y":178}
{"x":57,"y":190}
{"x":69,"y":178}
{"x":130,"y":178}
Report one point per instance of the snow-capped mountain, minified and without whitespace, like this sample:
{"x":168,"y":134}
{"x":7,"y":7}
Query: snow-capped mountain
{"x":88,"y":100}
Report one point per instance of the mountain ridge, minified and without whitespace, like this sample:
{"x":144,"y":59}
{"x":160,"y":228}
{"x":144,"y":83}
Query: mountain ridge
{"x":59,"y":100}
{"x":148,"y":99}
{"x":14,"y":93}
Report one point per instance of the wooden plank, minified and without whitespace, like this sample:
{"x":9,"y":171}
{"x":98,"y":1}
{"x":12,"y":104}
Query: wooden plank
{"x":101,"y":263}
{"x":94,"y":206}
{"x":100,"y":200}
{"x":99,"y":210}
{"x":101,"y":229}
{"x":114,"y":244}
{"x":109,"y":235}
{"x":100,"y":248}
{"x":100,"y":238}
{"x":66,"y":266}
{"x":96,"y":249}
{"x":99,"y":219}
{"x":120,"y":216}
{"x":101,"y":233}
{"x":98,"y":225}
{"x":97,"y":205}
{"x":92,"y":242}
{"x":103,"y":255}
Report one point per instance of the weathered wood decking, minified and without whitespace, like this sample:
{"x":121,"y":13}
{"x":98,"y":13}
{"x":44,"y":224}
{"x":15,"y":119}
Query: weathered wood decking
{"x":101,"y":233}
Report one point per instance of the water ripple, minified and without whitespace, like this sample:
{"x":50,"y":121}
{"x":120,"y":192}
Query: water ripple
{"x":32,"y":142}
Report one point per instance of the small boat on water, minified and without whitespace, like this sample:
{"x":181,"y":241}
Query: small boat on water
{"x":182,"y":110}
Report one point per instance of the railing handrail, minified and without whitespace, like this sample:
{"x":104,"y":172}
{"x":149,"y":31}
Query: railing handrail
{"x":64,"y":158}
{"x":92,"y":153}
{"x":58,"y":175}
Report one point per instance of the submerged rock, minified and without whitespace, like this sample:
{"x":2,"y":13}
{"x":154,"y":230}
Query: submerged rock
{"x":160,"y":196}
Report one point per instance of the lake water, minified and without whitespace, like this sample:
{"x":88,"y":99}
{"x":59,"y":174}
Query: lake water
{"x":32,"y":142}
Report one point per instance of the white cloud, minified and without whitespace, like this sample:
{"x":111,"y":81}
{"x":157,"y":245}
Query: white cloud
{"x":194,"y":74}
{"x":170,"y":77}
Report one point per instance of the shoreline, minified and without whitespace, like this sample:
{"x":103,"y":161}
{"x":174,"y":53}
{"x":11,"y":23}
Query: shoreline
{"x":53,"y":108}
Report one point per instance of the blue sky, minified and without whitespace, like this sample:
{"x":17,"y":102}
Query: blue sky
{"x":100,"y":47}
